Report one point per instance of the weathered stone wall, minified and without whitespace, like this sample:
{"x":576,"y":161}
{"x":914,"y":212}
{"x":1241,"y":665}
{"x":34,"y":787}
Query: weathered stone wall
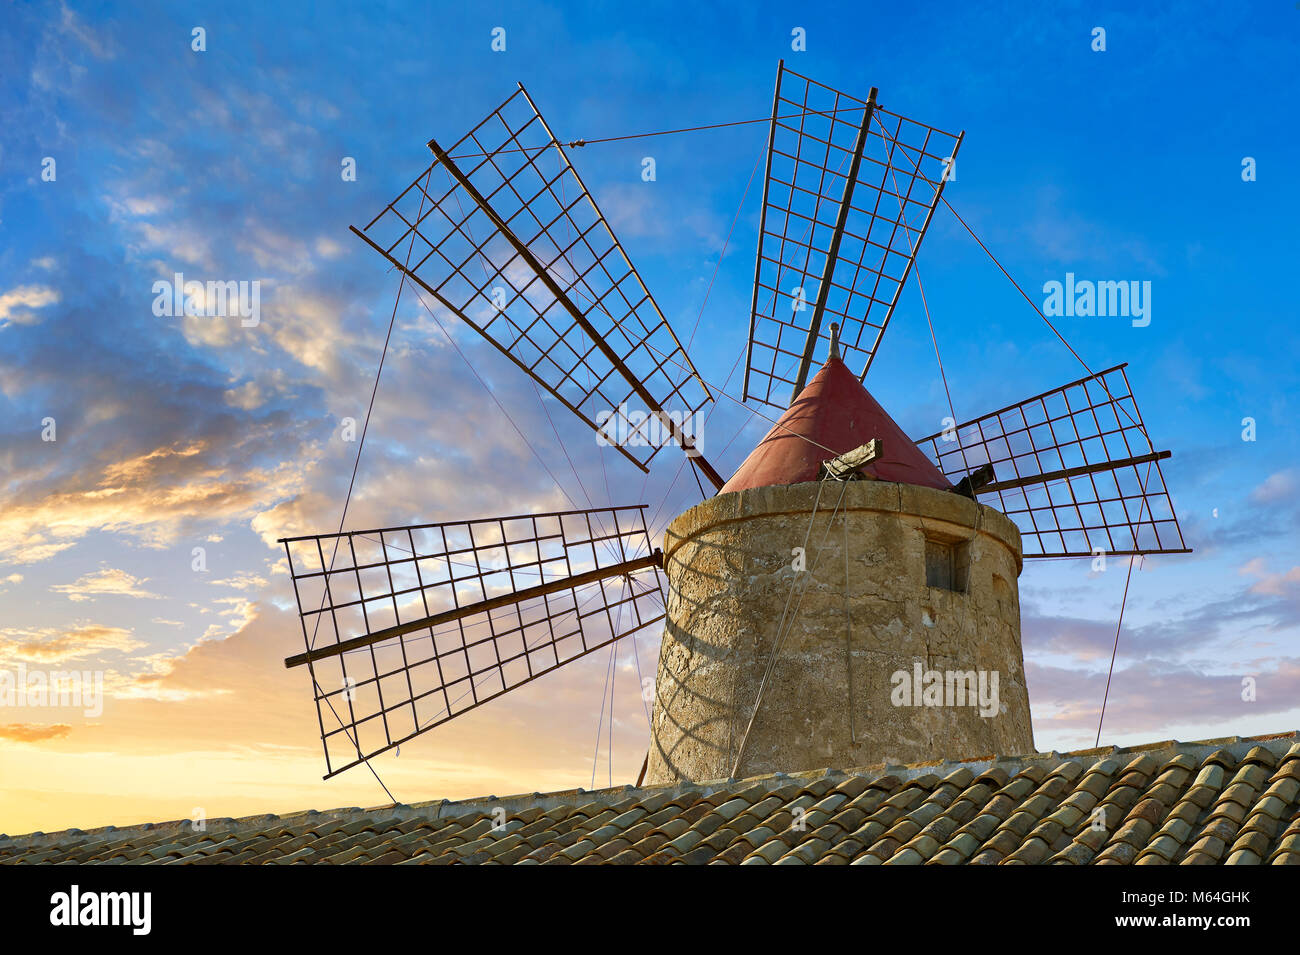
{"x":729,"y":563}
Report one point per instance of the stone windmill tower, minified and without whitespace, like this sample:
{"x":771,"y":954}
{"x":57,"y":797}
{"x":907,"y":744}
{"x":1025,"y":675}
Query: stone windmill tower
{"x":802,"y":618}
{"x":841,"y":599}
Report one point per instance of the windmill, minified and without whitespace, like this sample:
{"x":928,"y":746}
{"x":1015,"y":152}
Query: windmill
{"x":406,"y":628}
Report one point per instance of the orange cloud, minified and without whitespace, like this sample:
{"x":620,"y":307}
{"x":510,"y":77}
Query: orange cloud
{"x":151,"y":498}
{"x":225,"y":726}
{"x":33,"y":732}
{"x":52,"y":646}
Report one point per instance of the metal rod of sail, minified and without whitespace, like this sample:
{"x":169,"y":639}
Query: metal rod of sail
{"x":1001,"y":411}
{"x":762,"y":229}
{"x":492,"y":603}
{"x":1073,"y":472}
{"x":685,"y":441}
{"x":915,"y":249}
{"x":460,"y":313}
{"x":586,"y":193}
{"x":833,"y":253}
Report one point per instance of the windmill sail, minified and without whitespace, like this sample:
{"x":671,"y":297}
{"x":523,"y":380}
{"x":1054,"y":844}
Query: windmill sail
{"x":1073,"y":467}
{"x":848,"y":198}
{"x":501,"y":231}
{"x":406,"y":628}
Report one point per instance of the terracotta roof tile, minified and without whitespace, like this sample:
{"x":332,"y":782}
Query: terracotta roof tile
{"x":1234,"y":802}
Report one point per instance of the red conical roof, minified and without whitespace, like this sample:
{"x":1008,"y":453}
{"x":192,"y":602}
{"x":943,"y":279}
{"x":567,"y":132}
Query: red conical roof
{"x":833,"y":412}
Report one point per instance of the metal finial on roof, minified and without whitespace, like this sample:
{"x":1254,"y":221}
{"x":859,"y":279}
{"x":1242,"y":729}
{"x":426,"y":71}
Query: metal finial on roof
{"x":835,"y":341}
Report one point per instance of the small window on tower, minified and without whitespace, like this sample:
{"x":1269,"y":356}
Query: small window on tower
{"x":938,"y":564}
{"x":945,"y":564}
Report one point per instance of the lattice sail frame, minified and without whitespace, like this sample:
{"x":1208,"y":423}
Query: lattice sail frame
{"x":437,"y":234}
{"x":1119,"y":502}
{"x":899,"y":182}
{"x":373,"y":699}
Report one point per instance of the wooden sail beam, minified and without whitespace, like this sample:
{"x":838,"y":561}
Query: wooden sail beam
{"x":762,"y":230}
{"x":915,"y":249}
{"x":685,"y":441}
{"x":1072,"y":472}
{"x":482,"y":606}
{"x":833,"y":253}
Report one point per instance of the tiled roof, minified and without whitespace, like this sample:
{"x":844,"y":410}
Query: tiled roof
{"x":1230,"y":801}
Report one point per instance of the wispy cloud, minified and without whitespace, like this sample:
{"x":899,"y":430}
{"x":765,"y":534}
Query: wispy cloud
{"x":50,"y":645}
{"x":33,"y":732}
{"x":1285,"y":583}
{"x":16,"y":304}
{"x":152,"y":497}
{"x":1280,"y":485}
{"x":106,"y":582}
{"x":1150,"y":697}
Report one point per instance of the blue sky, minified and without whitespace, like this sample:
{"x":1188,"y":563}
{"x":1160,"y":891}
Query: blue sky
{"x":182,"y":433}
